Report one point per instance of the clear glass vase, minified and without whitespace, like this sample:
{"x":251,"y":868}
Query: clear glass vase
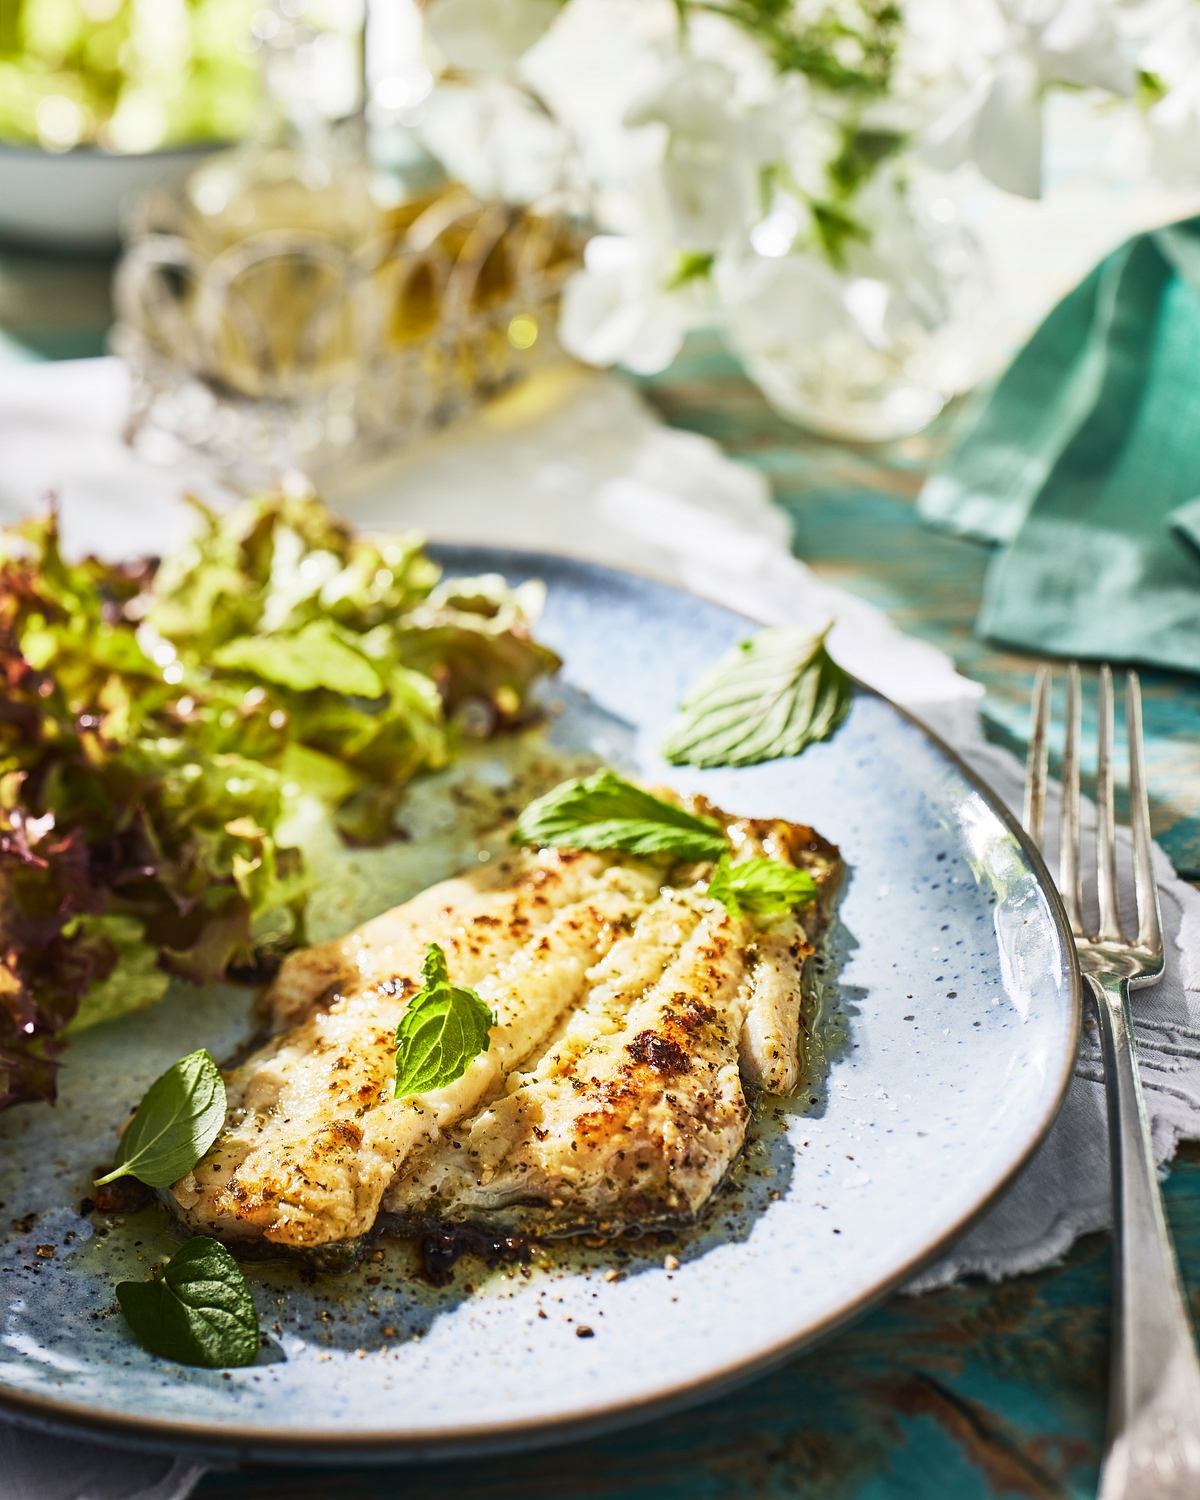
{"x":905,"y":334}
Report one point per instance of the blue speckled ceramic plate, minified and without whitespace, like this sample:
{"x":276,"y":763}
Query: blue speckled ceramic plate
{"x":952,"y":1024}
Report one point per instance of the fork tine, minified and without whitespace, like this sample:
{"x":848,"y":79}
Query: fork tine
{"x":1068,"y":857}
{"x":1034,"y":816}
{"x":1149,"y":921}
{"x":1106,"y":847}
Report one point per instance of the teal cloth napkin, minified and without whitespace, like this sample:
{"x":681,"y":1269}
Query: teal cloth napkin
{"x":1083,"y":465}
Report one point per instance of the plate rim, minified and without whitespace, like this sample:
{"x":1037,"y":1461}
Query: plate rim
{"x":381,"y":1445}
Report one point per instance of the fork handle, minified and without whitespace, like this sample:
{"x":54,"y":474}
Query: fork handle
{"x":1153,"y":1446}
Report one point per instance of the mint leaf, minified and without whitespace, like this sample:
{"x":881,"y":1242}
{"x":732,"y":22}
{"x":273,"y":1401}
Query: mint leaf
{"x":759,"y":886}
{"x":603,"y":811}
{"x":199,"y":1313}
{"x":317,"y":656}
{"x":177,"y":1121}
{"x":443,"y":1030}
{"x":770,"y":697}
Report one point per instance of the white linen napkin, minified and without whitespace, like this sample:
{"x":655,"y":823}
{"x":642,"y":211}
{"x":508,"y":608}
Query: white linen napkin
{"x":576,"y":463}
{"x":37,"y":1467}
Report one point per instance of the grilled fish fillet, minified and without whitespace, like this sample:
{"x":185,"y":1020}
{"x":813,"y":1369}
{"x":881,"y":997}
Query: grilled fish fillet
{"x":633,"y":1014}
{"x":636,"y":1111}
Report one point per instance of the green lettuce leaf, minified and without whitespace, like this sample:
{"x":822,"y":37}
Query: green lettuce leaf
{"x":160,"y":723}
{"x":135,"y":981}
{"x":316,"y":656}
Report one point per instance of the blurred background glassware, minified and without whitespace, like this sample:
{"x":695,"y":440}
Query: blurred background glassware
{"x":102,"y":99}
{"x":906,"y":327}
{"x":75,"y":201}
{"x":300,"y":303}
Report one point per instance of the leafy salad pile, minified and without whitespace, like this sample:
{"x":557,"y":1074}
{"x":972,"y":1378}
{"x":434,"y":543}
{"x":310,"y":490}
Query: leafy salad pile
{"x":159,"y":721}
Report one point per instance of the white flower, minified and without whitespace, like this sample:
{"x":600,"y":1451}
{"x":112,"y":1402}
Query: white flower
{"x":1173,"y":129}
{"x":620,"y":309}
{"x":494,"y":139}
{"x":712,"y":152}
{"x":713,"y":38}
{"x":775,"y":310}
{"x":634,"y":301}
{"x":1021,"y":47}
{"x":919,"y":282}
{"x":598,"y":59}
{"x":487,"y":35}
{"x":1170,"y":52}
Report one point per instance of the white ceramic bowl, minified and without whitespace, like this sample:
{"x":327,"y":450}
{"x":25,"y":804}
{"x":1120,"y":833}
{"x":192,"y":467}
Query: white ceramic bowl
{"x":77,"y":200}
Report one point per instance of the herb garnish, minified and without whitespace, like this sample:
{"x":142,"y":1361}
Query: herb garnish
{"x":180,"y":1116}
{"x":198,"y":1312}
{"x":444,"y":1028}
{"x":770,"y":697}
{"x":759,"y":886}
{"x":603,"y":811}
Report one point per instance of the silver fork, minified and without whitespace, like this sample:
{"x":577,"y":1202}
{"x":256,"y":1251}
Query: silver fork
{"x":1153,"y":1446}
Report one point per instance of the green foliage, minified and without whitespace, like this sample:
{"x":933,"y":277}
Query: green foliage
{"x":198,"y":1312}
{"x":849,"y":49}
{"x":443,"y":1029}
{"x":159,"y":723}
{"x":862,"y":151}
{"x":603,"y":811}
{"x":130,"y":76}
{"x":690,"y":265}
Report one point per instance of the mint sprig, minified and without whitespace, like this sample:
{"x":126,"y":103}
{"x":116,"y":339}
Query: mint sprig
{"x":603,"y":811}
{"x":770,"y":697}
{"x":444,"y":1028}
{"x":198,"y":1312}
{"x":180,"y":1116}
{"x":760,"y":887}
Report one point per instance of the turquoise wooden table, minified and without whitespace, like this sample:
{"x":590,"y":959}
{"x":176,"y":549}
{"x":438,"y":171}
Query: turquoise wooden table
{"x":977,"y":1391}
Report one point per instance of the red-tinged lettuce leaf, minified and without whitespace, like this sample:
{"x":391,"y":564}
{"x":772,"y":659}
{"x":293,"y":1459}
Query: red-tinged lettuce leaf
{"x":125,"y":824}
{"x":50,"y":957}
{"x":151,"y":722}
{"x":135,"y":979}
